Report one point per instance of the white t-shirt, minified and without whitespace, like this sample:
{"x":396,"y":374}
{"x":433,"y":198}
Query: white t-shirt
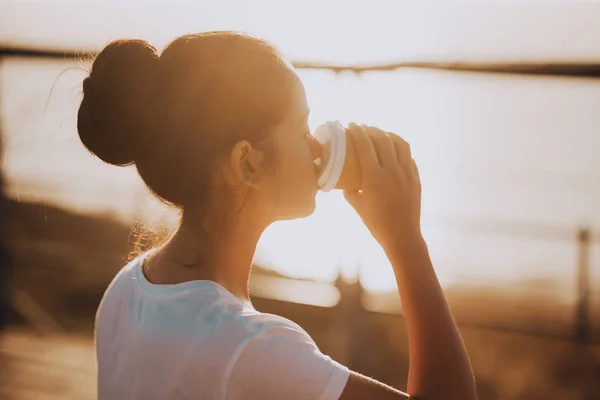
{"x":195,"y":340}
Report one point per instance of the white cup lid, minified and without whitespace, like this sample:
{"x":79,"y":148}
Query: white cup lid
{"x":334,"y":132}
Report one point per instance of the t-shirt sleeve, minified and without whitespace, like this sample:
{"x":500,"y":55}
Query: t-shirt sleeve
{"x":283,"y":362}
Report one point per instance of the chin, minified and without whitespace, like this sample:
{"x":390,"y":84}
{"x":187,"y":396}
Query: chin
{"x":311,"y":209}
{"x":300,"y":210}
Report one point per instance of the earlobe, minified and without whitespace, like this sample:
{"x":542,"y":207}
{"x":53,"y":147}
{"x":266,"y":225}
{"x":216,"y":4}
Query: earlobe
{"x":253,"y":166}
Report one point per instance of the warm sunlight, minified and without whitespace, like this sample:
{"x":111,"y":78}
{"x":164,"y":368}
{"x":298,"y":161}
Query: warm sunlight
{"x":428,"y":108}
{"x":103,"y":295}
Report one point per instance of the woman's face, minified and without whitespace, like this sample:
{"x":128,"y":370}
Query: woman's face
{"x":292,"y":184}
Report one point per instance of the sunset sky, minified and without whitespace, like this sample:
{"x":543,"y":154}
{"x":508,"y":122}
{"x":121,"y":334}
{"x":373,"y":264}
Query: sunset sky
{"x":512,"y":130}
{"x":340,"y":31}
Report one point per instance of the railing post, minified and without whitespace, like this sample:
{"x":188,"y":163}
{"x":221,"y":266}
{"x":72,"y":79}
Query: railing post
{"x":5,"y":271}
{"x":582,"y":328}
{"x":346,"y":330}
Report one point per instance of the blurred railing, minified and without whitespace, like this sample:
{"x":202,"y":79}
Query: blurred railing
{"x":580,"y":69}
{"x":530,"y":315}
{"x":585,"y":239}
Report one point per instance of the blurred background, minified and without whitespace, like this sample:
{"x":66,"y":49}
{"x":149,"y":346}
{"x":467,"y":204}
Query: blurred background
{"x":500,"y":101}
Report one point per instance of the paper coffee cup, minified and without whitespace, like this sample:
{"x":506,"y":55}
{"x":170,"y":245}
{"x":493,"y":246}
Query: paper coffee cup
{"x":340,"y":168}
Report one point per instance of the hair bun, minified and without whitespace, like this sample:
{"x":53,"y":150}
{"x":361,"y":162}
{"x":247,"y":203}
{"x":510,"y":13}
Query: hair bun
{"x":116,"y":110}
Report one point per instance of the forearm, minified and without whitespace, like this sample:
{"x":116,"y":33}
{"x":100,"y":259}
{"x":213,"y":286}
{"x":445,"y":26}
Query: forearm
{"x":439,"y":365}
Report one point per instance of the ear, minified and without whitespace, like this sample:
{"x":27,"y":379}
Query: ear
{"x":244,"y":165}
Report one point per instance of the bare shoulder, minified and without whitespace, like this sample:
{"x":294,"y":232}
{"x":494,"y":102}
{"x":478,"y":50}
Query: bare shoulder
{"x":360,"y":387}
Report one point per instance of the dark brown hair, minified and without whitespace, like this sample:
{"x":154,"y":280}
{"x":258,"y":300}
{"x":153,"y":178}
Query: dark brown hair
{"x":174,"y":115}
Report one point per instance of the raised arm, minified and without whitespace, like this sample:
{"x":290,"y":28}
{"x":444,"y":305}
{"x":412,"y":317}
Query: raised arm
{"x":390,"y":206}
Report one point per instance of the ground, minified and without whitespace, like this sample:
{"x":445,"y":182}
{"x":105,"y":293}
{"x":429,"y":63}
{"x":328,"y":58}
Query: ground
{"x":36,"y":367}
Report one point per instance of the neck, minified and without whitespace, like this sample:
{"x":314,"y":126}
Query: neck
{"x":219,"y":252}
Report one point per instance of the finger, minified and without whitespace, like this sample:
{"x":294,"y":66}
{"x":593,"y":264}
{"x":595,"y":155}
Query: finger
{"x":416,"y":182}
{"x":365,"y":150}
{"x":383,"y":145}
{"x":403,"y":152}
{"x":415,"y":177}
{"x":397,"y":146}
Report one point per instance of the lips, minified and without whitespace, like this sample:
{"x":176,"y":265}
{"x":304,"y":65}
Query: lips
{"x":317,"y":165}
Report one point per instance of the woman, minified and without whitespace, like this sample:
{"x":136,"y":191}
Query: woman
{"x":217,"y":126}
